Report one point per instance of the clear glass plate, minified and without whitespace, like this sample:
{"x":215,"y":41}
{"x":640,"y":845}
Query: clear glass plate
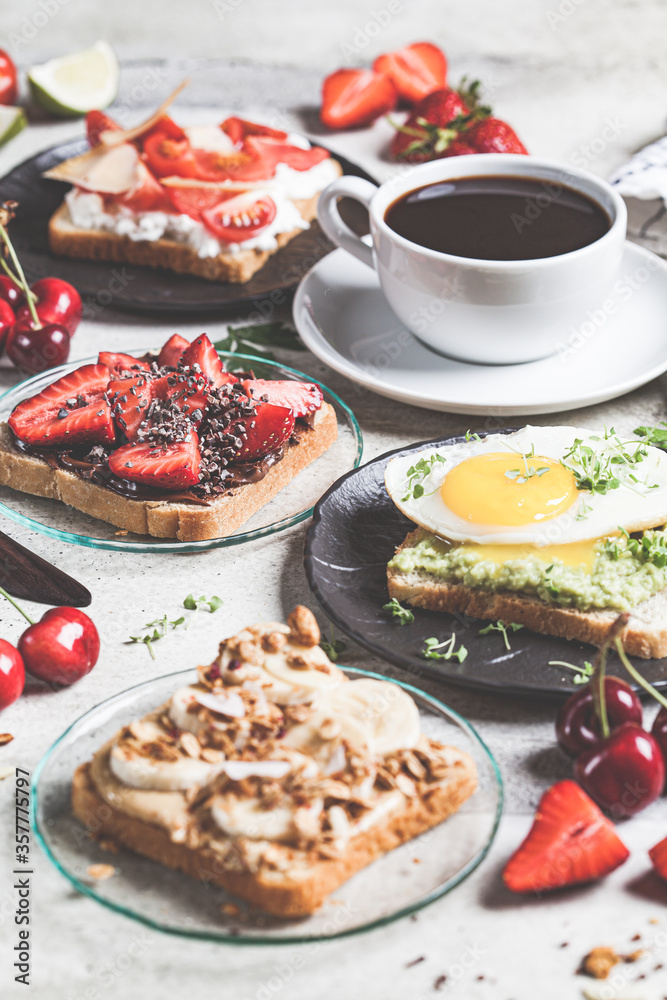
{"x":293,"y":504}
{"x":401,"y":882}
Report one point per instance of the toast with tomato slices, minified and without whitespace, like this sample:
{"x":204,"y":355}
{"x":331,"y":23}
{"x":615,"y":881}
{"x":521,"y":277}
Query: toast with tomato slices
{"x":211,"y":201}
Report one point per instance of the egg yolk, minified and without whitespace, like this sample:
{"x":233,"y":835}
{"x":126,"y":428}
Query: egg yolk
{"x":494,"y":488}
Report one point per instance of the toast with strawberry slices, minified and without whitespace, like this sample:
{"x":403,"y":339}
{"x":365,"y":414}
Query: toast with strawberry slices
{"x":212,"y":201}
{"x":185,"y":450}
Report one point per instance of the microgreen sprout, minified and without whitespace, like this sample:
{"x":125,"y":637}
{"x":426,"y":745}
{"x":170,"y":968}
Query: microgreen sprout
{"x":334,"y":648}
{"x":599,"y":472}
{"x":402,"y":616}
{"x":500,"y":626}
{"x":417,"y":473}
{"x":449,"y":652}
{"x":163,"y":626}
{"x":582,"y":674}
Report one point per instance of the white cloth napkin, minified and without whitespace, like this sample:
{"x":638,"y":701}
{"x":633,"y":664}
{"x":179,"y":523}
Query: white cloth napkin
{"x":643,"y":184}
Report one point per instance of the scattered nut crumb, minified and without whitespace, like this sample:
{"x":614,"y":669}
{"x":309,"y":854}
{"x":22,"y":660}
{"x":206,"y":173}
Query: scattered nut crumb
{"x":599,"y":962}
{"x":123,"y":531}
{"x":5,"y":738}
{"x":109,"y":845}
{"x":415,"y":961}
{"x":101,"y":872}
{"x":231,"y":909}
{"x":634,"y":956}
{"x":416,"y":861}
{"x":440,"y":982}
{"x":303,"y":626}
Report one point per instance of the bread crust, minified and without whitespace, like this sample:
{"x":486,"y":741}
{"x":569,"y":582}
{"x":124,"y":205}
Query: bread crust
{"x":277,"y":892}
{"x":165,"y":519}
{"x":68,"y":240}
{"x":645,"y":635}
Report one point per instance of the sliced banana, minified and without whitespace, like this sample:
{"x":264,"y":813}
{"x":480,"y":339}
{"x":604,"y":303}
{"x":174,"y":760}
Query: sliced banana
{"x":227,"y":703}
{"x":321,"y":738}
{"x":160,"y":775}
{"x":246,"y":817}
{"x":181,"y":702}
{"x":384,"y":711}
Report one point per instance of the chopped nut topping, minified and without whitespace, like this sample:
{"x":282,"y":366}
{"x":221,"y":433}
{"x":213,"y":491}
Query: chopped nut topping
{"x":190,"y":745}
{"x":303,"y":626}
{"x":414,"y":766}
{"x":212,"y":756}
{"x":100,"y":872}
{"x":273,"y":642}
{"x":599,"y":962}
{"x":405,"y":786}
{"x":5,"y":738}
{"x":330,"y":729}
{"x":249,"y":652}
{"x":297,"y":661}
{"x":297,"y":713}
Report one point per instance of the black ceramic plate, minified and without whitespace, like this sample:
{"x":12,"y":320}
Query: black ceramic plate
{"x":354,"y":532}
{"x":144,"y":289}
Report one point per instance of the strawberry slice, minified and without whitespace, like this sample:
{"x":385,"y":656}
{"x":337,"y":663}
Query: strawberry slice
{"x":171,"y":352}
{"x":188,"y":392}
{"x":302,"y":397}
{"x":238,"y":129}
{"x":658,"y":856}
{"x":71,"y":411}
{"x":415,"y":70}
{"x":570,"y":842}
{"x":202,"y":352}
{"x":266,"y":431}
{"x":129,"y":396}
{"x":169,"y":467}
{"x":96,"y":123}
{"x":355,"y":97}
{"x":118,"y":362}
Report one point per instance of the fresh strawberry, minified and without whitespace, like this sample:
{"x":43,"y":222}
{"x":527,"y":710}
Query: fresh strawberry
{"x":658,"y":856}
{"x":171,"y":351}
{"x":459,"y":147}
{"x":169,"y":467}
{"x":239,"y":129}
{"x":416,"y":70}
{"x":302,"y":397}
{"x":96,"y":123}
{"x":202,"y":352}
{"x":570,"y":842}
{"x":494,"y":136}
{"x":355,"y":97}
{"x":266,"y":431}
{"x":426,"y":132}
{"x":70,"y":412}
{"x":117,"y":363}
{"x":129,"y":397}
{"x":187,"y":392}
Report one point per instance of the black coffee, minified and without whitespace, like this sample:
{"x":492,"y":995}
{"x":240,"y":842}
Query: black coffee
{"x":498,"y":218}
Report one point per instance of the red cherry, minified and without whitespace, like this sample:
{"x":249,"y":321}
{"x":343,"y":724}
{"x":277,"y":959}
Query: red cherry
{"x":61,"y":647}
{"x":577,"y":726}
{"x":10,"y":293}
{"x":624,"y":773}
{"x":7,"y":320}
{"x":57,"y":302}
{"x":659,"y":731}
{"x":12,"y":673}
{"x":34,"y":351}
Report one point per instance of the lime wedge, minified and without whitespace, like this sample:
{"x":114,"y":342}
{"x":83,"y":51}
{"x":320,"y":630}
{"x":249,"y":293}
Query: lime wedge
{"x":12,"y":121}
{"x":76,"y":83}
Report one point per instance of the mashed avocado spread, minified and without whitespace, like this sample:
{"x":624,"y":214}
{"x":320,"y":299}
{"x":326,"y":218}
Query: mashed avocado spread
{"x":624,"y":571}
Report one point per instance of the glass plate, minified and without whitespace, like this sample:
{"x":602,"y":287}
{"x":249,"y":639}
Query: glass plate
{"x":293,"y":504}
{"x":391,"y":887}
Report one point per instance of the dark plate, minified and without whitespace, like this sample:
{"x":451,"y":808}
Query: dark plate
{"x":355,"y":530}
{"x":145,"y":289}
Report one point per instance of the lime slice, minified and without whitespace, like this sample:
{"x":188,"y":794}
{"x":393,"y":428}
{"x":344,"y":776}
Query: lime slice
{"x":12,"y":121}
{"x":76,"y":83}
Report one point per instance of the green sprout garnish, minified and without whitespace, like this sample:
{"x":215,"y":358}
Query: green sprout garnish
{"x":582,"y":674}
{"x":402,"y":615}
{"x":334,"y":648}
{"x":500,"y":626}
{"x":449,"y":652}
{"x":417,"y":473}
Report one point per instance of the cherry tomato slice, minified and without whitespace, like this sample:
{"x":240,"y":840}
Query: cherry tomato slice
{"x":168,"y":157}
{"x":193,"y":201}
{"x":237,"y":219}
{"x":238,"y":128}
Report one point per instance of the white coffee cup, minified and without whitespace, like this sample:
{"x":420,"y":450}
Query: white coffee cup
{"x":485,"y":311}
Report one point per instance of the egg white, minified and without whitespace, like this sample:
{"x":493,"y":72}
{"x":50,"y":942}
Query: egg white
{"x":632,"y":506}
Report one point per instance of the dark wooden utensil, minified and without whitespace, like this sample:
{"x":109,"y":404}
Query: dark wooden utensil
{"x":24,"y":574}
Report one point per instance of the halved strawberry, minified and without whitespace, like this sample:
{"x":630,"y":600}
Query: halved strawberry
{"x":169,"y":467}
{"x":658,"y":856}
{"x":266,"y":431}
{"x":118,"y":362}
{"x":238,"y":129}
{"x":188,"y":392}
{"x":129,"y":397}
{"x":302,"y":397}
{"x":355,"y":97}
{"x":570,"y":842}
{"x":415,"y":70}
{"x":96,"y":123}
{"x":170,"y":353}
{"x":70,"y":412}
{"x":202,"y":352}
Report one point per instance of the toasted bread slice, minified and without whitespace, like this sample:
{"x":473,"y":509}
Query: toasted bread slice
{"x":166,"y":519}
{"x":68,"y":240}
{"x":301,"y":886}
{"x":645,"y":635}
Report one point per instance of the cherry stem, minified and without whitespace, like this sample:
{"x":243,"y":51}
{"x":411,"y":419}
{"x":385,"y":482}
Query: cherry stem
{"x":17,"y":606}
{"x":12,"y":277}
{"x":23,"y":284}
{"x":598,"y":678}
{"x":636,"y":676}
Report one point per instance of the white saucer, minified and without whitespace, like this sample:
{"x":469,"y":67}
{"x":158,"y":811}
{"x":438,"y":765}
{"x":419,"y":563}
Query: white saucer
{"x":343,"y":318}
